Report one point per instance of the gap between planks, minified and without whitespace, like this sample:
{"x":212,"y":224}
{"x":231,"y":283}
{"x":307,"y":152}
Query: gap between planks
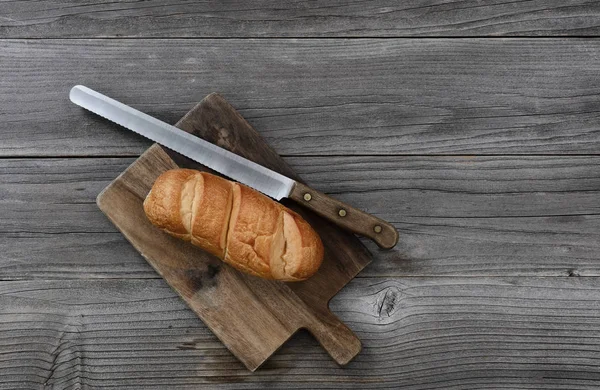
{"x":341,"y":37}
{"x":94,"y":156}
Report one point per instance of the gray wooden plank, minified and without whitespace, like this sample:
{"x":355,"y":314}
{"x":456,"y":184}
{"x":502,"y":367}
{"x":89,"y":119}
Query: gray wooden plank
{"x":160,"y":18}
{"x":311,"y":97}
{"x":456,"y":215}
{"x":417,"y":333}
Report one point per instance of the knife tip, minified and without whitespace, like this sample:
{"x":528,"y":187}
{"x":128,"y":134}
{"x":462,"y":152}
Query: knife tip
{"x":73,"y":92}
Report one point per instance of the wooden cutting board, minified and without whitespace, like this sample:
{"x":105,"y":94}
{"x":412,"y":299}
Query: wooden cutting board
{"x":251,"y":316}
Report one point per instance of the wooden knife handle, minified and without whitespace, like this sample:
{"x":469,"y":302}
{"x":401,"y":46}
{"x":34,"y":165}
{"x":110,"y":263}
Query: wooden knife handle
{"x":383,"y":233}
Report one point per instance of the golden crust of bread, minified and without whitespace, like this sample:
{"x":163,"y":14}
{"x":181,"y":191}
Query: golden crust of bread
{"x":304,"y":247}
{"x":211,"y":210}
{"x":241,"y":226}
{"x":163,"y":203}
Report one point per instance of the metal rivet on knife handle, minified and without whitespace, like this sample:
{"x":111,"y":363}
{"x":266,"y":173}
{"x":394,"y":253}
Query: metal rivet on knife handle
{"x":346,"y":216}
{"x":307,"y":197}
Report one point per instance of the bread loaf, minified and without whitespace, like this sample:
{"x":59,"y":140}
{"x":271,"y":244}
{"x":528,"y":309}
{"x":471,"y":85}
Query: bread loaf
{"x":239,"y":225}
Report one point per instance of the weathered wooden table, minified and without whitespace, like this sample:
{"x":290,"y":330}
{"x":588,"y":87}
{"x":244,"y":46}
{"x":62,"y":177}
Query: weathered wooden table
{"x":473,"y":126}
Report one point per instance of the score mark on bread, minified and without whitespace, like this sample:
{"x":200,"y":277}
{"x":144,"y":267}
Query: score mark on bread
{"x":241,"y":226}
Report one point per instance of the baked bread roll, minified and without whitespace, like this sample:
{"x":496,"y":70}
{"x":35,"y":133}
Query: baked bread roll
{"x":239,"y":225}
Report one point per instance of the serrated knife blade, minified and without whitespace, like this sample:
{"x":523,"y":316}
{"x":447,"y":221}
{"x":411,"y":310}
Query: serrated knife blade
{"x":223,"y":161}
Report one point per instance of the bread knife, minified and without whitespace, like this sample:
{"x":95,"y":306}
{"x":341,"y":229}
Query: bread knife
{"x":236,"y":167}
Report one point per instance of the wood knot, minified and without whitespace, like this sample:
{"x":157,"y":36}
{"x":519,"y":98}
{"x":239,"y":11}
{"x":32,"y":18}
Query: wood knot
{"x":223,"y":139}
{"x":388,"y":301}
{"x":196,"y":343}
{"x":197,"y":279}
{"x":574,"y":272}
{"x":188,"y":345}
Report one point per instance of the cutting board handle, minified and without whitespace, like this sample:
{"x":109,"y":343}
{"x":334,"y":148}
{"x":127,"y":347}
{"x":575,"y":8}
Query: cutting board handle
{"x":335,"y":337}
